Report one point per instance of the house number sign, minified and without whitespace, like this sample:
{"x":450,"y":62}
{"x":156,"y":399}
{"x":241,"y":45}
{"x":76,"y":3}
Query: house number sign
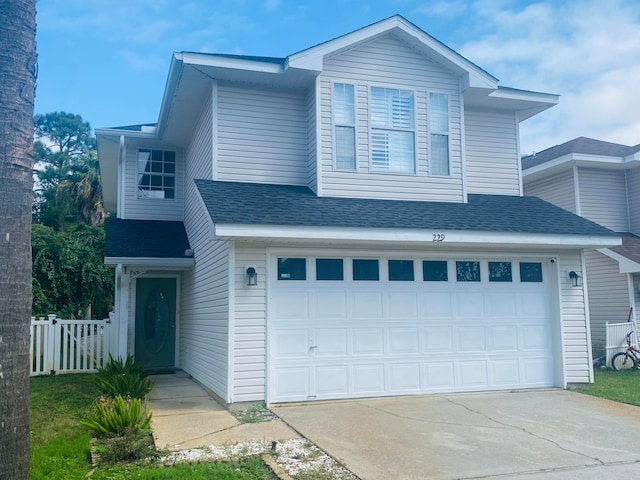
{"x":438,"y":237}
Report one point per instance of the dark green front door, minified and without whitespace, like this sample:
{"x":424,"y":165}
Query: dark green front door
{"x":156,"y":322}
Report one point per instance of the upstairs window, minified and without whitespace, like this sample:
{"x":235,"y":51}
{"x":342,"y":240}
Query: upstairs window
{"x":344,"y":119}
{"x":439,"y":134}
{"x":156,"y":173}
{"x":392,"y":130}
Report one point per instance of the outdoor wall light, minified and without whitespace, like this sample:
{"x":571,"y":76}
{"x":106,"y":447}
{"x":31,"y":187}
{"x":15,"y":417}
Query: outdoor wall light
{"x":252,"y":276}
{"x":575,"y":278}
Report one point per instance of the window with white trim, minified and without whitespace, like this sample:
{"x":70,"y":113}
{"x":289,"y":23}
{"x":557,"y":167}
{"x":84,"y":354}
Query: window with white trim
{"x":156,"y":173}
{"x":392,"y":130}
{"x":344,"y":119}
{"x":439,"y":134}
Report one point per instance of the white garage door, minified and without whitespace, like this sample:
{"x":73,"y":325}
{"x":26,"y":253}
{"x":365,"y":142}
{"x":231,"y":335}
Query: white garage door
{"x":348,"y":327}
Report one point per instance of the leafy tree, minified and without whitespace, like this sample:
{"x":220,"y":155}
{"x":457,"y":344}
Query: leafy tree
{"x":69,"y":273}
{"x":69,"y":182}
{"x":17,"y":91}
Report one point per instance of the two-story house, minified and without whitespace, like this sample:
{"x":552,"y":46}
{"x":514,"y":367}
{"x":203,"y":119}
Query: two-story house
{"x":599,"y":181}
{"x":344,"y":222}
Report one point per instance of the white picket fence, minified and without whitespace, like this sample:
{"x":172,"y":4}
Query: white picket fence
{"x":68,"y":346}
{"x":616,"y":338}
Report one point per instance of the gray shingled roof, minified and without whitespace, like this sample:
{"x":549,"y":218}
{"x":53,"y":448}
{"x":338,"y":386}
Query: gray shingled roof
{"x":265,"y":204}
{"x":579,"y":145}
{"x":145,"y":238}
{"x":630,"y":247}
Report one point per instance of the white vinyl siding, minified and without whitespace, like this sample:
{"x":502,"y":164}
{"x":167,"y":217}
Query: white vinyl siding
{"x":249,"y":339}
{"x":438,"y":122}
{"x":344,"y":119}
{"x":608,"y":296}
{"x":492,"y":157}
{"x":262,"y":136}
{"x":558,"y":190}
{"x":204,"y":328}
{"x":577,"y":362}
{"x":312,"y":149}
{"x":603,"y":198}
{"x":633,"y":196}
{"x":139,"y":208}
{"x":388,"y":63}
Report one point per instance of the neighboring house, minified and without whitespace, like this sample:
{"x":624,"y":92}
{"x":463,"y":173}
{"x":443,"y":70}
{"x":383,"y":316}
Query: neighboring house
{"x":344,"y":222}
{"x":599,"y":181}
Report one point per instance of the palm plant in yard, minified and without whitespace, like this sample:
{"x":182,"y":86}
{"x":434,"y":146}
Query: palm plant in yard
{"x":123,"y":378}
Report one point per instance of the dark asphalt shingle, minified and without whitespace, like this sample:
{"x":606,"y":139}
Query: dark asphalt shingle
{"x":145,"y":238}
{"x":266,"y":204}
{"x":579,"y":145}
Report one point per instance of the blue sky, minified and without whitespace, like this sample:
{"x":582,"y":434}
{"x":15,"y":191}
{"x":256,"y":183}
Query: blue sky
{"x":108,"y":60}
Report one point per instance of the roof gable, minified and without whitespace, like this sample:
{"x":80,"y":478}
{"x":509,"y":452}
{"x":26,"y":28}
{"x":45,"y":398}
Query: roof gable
{"x":312,"y":58}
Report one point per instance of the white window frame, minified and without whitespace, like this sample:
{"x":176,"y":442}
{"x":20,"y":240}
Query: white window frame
{"x":431,"y":131}
{"x":335,"y":124}
{"x":146,"y":194}
{"x":389,"y":171}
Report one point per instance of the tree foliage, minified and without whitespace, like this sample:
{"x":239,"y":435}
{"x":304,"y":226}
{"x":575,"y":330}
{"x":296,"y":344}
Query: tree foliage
{"x":68,"y":237}
{"x":68,"y":176}
{"x":69,"y":272}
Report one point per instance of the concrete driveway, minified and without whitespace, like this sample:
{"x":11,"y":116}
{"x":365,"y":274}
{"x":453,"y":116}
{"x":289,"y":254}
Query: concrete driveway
{"x":550,"y":434}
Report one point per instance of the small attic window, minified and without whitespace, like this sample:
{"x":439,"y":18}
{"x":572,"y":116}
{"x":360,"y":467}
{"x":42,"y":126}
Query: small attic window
{"x":156,"y":173}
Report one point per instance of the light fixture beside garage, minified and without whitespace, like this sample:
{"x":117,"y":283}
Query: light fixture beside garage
{"x":251,"y":274}
{"x":577,"y":279}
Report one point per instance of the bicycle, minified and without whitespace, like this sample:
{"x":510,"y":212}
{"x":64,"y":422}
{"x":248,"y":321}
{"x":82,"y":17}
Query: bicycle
{"x":627,"y":360}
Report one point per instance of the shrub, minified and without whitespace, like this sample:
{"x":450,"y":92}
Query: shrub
{"x":124,"y":378}
{"x":113,"y":417}
{"x":130,"y":446}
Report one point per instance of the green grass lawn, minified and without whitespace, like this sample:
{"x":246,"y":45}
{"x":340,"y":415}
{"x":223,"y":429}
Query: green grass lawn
{"x":60,"y":445}
{"x":621,"y":386}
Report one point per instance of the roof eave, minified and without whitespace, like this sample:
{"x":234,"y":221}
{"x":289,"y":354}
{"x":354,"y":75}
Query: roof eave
{"x":452,"y":238}
{"x":152,"y":262}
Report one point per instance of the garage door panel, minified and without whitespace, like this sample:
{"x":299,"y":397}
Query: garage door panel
{"x":536,"y":370}
{"x":330,"y":342}
{"x":404,"y":340}
{"x":473,"y":373}
{"x":505,"y":372}
{"x":503,"y":339}
{"x":368,"y":341}
{"x":330,"y":305}
{"x":439,"y":375}
{"x":332,"y":380}
{"x":437,"y":305}
{"x":535,"y":337}
{"x":438,"y":339}
{"x":533,"y":304}
{"x":292,"y":305}
{"x":366,"y":305}
{"x":402,"y":305}
{"x":404,"y":377}
{"x":471,"y":339}
{"x":368,"y":378}
{"x":469,"y":304}
{"x":292,"y":382}
{"x":500,"y":305}
{"x":291,"y":343}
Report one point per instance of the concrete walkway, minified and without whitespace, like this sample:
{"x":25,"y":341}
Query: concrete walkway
{"x":185,"y":416}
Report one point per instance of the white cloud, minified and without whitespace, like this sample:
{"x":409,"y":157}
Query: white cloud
{"x":272,"y":5}
{"x":587,"y":51}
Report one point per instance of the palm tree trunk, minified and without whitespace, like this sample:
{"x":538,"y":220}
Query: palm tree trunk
{"x":17,"y":91}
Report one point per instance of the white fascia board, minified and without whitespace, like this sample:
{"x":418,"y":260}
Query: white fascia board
{"x":580,"y":159}
{"x":206,"y":60}
{"x":448,"y":237}
{"x":152,"y":262}
{"x":525,"y":95}
{"x":625,"y":264}
{"x":115,"y":132}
